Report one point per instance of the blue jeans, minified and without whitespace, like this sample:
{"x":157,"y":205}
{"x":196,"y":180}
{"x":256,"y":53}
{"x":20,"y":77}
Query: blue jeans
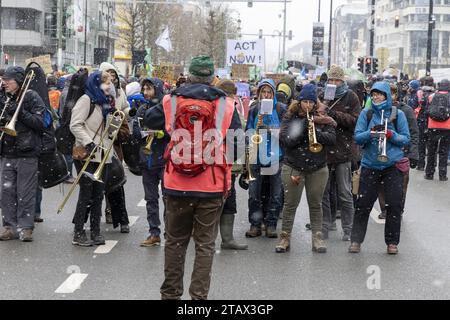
{"x":151,"y":180}
{"x":255,"y":213}
{"x":69,"y":161}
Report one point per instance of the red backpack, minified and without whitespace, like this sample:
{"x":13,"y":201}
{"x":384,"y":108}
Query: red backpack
{"x":188,"y":112}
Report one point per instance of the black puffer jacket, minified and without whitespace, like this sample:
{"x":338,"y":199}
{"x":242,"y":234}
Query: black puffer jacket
{"x":29,"y":127}
{"x":295,"y":143}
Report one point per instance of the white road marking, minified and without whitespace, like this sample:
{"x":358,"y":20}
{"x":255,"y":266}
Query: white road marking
{"x":143,"y":203}
{"x":374,"y":215}
{"x":72,"y":283}
{"x":133,"y":220}
{"x":107,"y":247}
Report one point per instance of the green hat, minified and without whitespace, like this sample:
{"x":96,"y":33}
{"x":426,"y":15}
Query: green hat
{"x":201,"y":66}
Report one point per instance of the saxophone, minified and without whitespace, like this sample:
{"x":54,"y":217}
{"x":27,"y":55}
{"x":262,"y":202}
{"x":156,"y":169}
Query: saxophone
{"x":314,"y":146}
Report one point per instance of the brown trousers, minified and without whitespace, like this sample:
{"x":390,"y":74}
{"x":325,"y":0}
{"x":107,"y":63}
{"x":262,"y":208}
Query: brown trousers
{"x":186,"y":217}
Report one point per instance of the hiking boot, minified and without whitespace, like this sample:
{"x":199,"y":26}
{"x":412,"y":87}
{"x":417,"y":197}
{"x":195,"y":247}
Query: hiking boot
{"x":382,"y":215}
{"x":355,"y":247}
{"x":318,"y":245}
{"x":271,"y":232}
{"x":346,"y":236}
{"x":392,"y":249}
{"x":97,"y":239}
{"x":80,"y":239}
{"x":226,"y":232}
{"x":253,"y":232}
{"x":38,"y":220}
{"x":124,"y":228}
{"x":7,"y":235}
{"x":428,"y":177}
{"x":308,"y":226}
{"x":151,"y":241}
{"x":443,"y":178}
{"x":26,"y":235}
{"x":284,"y":244}
{"x":108,"y":216}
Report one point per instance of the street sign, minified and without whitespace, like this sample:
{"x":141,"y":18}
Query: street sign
{"x":246,"y":52}
{"x":318,"y":36}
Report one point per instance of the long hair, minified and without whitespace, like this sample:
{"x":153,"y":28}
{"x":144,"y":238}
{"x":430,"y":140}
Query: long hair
{"x":76,"y":91}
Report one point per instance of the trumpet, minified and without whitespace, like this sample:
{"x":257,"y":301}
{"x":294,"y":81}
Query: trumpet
{"x":314,"y":146}
{"x":10,"y":128}
{"x":159,"y":134}
{"x":112,"y":128}
{"x":382,"y":141}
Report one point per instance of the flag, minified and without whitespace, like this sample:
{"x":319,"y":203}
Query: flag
{"x":164,"y":40}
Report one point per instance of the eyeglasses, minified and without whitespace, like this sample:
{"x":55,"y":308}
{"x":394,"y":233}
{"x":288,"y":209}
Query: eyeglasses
{"x":376,"y":94}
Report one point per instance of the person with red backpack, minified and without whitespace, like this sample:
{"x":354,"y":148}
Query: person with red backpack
{"x":438,"y":131}
{"x":195,"y":188}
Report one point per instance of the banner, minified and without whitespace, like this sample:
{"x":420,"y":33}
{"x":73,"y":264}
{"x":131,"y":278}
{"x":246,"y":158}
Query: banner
{"x":44,"y":61}
{"x":275,"y":76}
{"x":240,"y":72}
{"x":167,"y":72}
{"x":318,"y":35}
{"x":246,"y":52}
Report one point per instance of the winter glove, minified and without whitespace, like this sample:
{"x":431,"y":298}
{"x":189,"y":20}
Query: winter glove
{"x":132,"y":112}
{"x":90,"y":147}
{"x":413,"y":163}
{"x":388,"y":134}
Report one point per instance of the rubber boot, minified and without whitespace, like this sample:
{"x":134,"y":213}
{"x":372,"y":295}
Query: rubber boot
{"x":226,"y":231}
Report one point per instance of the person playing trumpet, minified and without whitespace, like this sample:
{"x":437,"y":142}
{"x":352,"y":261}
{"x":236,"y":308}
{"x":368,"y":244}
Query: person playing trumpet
{"x":19,"y":155}
{"x":303,"y":134}
{"x":383,"y":169}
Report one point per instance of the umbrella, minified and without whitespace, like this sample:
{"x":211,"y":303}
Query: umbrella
{"x":354,"y":74}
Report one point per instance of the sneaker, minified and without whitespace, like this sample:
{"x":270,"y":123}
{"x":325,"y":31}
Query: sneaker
{"x":38,"y":220}
{"x":271,"y":232}
{"x":428,"y":177}
{"x":98,"y":239}
{"x":253,"y":232}
{"x":124,"y":228}
{"x":443,"y":178}
{"x":26,"y":235}
{"x":151,"y":241}
{"x":346,"y":236}
{"x":392,"y":249}
{"x":355,"y":247}
{"x":7,"y":235}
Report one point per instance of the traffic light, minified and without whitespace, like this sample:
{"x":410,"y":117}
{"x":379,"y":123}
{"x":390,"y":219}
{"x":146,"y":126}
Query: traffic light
{"x":290,"y":35}
{"x":375,"y":65}
{"x":368,"y":65}
{"x":250,"y":4}
{"x":397,"y":21}
{"x":361,"y":64}
{"x":260,"y":33}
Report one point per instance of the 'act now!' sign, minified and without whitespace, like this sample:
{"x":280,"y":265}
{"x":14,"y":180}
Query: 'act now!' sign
{"x":246,"y":52}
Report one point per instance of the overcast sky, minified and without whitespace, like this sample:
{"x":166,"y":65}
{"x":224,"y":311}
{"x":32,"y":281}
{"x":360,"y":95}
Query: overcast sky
{"x":300,"y":17}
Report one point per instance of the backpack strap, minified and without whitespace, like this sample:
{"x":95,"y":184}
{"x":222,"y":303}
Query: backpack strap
{"x":173,"y":107}
{"x":221,"y":114}
{"x":392,"y":118}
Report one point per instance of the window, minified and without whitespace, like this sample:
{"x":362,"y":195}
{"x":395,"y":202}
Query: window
{"x":27,"y":19}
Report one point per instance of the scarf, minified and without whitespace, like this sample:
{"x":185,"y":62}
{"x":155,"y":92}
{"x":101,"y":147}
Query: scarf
{"x":341,"y":90}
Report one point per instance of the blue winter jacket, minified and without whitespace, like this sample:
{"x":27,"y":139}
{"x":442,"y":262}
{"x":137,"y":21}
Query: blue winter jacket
{"x":400,"y":134}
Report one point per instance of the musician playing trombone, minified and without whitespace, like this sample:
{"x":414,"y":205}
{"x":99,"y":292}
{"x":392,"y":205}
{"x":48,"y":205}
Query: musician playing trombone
{"x":383,"y":132}
{"x":20,"y":149}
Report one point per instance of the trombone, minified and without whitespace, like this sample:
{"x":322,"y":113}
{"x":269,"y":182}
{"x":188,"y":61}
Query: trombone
{"x":115,"y":123}
{"x":314,"y":146}
{"x":10,"y":128}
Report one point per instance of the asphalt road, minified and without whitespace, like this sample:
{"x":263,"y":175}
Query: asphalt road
{"x":52,"y":268}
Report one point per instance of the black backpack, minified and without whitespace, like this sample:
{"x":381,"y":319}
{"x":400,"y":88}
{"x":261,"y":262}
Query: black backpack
{"x":439,"y":107}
